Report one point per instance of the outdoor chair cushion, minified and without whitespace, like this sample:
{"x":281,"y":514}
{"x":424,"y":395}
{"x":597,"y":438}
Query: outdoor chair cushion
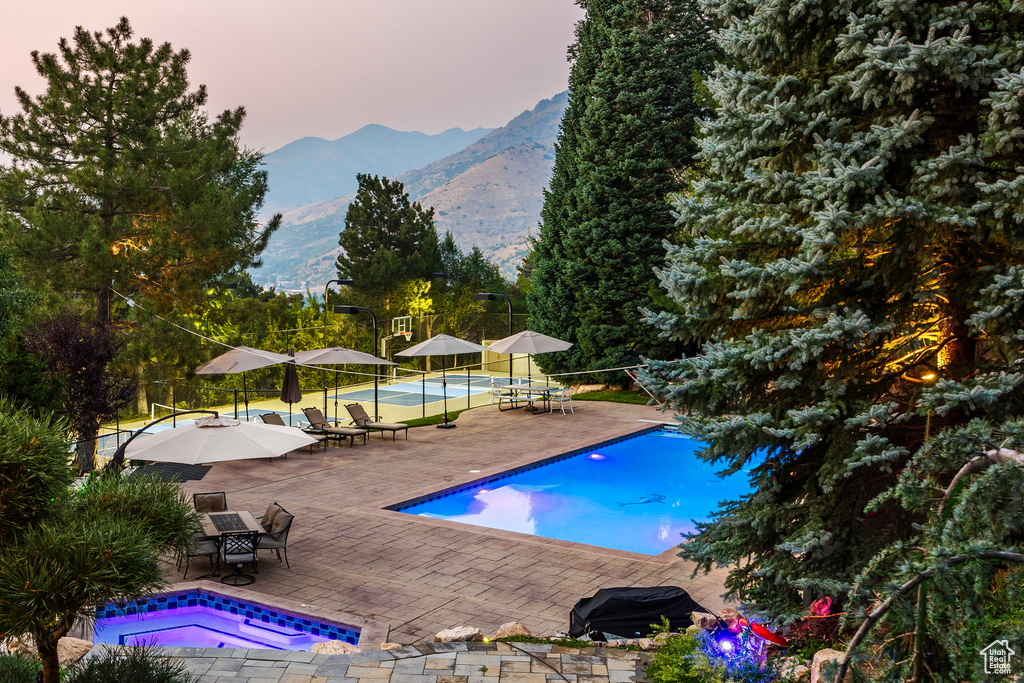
{"x":269,"y":515}
{"x":268,"y":542}
{"x":204,"y":547}
{"x":239,"y":558}
{"x":281,"y":522}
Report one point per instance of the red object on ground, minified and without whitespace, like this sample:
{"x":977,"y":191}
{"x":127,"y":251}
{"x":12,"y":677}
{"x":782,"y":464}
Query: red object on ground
{"x":821,"y":607}
{"x":763,"y":632}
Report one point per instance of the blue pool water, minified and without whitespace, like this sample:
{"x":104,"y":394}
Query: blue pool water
{"x":637,"y":494}
{"x":201,"y":619}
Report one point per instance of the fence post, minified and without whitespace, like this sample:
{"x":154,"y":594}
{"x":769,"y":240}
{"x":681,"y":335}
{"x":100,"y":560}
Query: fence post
{"x":423,"y":380}
{"x":236,"y":404}
{"x":469,"y":386}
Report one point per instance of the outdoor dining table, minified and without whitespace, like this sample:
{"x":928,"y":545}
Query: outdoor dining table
{"x":217,"y":523}
{"x":532,"y":391}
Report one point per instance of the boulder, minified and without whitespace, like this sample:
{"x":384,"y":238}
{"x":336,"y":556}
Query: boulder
{"x":69,"y":650}
{"x":708,"y":622}
{"x":512,"y":628}
{"x":458,"y":633}
{"x":731,"y":618}
{"x":390,"y":646}
{"x":584,"y":388}
{"x":645,"y":643}
{"x":823,"y":658}
{"x":333,"y":647}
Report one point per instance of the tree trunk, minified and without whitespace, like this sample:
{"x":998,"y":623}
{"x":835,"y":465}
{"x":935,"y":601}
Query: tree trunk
{"x":85,"y":453}
{"x":141,"y":400}
{"x":46,"y":645}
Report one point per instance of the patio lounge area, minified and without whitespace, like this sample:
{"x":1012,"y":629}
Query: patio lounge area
{"x":421,"y":575}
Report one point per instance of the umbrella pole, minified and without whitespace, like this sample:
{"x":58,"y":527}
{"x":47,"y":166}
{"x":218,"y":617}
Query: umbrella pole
{"x":444,"y":390}
{"x":335,"y":395}
{"x":245,"y":394}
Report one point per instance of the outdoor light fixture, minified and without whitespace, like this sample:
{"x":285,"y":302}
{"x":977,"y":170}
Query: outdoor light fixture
{"x":354,"y":310}
{"x":345,"y":283}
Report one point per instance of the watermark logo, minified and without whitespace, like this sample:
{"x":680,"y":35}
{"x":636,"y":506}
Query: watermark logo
{"x":997,"y":657}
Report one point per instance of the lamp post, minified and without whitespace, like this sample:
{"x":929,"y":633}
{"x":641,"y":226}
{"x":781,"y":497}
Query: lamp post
{"x":354,"y":310}
{"x":345,"y":282}
{"x":488,"y":296}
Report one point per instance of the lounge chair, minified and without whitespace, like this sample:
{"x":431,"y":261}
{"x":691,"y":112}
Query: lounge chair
{"x":318,"y":422}
{"x":210,"y":502}
{"x":275,"y":419}
{"x":361,"y":419}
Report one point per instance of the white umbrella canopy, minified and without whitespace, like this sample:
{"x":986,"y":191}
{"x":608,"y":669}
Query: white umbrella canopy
{"x":337,"y":355}
{"x":529,"y":341}
{"x":217,"y":439}
{"x":241,"y":359}
{"x":442,"y":345}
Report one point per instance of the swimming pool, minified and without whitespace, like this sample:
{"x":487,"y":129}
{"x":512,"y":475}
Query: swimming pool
{"x":638,"y":493}
{"x":201,"y":619}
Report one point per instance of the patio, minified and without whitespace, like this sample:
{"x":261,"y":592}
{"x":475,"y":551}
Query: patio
{"x":421,"y":575}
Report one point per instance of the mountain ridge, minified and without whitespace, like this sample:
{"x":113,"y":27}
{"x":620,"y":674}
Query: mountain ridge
{"x":488,"y":194}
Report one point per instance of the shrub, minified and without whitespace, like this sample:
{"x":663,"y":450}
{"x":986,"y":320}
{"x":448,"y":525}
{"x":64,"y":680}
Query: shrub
{"x":135,"y":664}
{"x":18,"y":668}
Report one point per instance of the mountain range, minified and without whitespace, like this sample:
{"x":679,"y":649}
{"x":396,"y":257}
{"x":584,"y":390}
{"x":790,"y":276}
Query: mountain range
{"x":488,"y":192}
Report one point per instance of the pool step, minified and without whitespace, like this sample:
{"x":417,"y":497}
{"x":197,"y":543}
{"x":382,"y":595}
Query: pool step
{"x":270,"y":632}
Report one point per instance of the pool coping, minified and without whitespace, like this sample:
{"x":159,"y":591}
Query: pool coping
{"x":371,"y":632}
{"x":511,"y":472}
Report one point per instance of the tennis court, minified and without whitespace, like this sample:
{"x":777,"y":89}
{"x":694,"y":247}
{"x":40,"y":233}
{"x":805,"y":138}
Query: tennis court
{"x":417,"y":392}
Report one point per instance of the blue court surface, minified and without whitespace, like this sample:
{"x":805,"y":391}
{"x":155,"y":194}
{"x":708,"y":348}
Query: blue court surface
{"x":417,"y":392}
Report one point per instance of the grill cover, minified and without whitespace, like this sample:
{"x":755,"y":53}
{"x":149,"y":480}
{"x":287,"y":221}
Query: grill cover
{"x":626,"y":611}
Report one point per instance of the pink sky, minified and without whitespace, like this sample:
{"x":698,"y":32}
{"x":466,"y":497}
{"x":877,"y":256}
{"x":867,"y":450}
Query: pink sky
{"x":325,"y":68}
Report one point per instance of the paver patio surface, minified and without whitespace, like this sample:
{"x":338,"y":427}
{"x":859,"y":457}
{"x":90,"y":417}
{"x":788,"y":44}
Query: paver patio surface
{"x":427,"y":663}
{"x":419,"y":575}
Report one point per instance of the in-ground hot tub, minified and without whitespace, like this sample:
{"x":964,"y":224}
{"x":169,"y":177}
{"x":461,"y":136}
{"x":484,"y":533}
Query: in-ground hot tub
{"x":197,"y":618}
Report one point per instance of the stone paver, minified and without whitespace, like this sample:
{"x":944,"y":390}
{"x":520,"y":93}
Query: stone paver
{"x":503,"y":664}
{"x":418,"y":575}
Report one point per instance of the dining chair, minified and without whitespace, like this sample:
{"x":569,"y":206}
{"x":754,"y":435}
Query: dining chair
{"x":203,"y":545}
{"x":210,"y":502}
{"x":238,"y":548}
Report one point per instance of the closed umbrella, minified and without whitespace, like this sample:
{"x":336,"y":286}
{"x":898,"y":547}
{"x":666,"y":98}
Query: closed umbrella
{"x":217,"y":439}
{"x":529,"y":342}
{"x":240,"y":359}
{"x":337,"y":355}
{"x":291,"y":392}
{"x":443,"y":345}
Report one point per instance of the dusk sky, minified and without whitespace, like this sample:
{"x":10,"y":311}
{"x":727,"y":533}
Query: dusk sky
{"x":326,"y":68}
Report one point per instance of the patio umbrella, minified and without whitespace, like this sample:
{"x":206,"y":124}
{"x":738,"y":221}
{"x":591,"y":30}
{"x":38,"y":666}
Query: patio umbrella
{"x":291,"y":392}
{"x":337,"y":355}
{"x":216,"y":439}
{"x":442,"y":345}
{"x":529,"y":342}
{"x":240,"y":359}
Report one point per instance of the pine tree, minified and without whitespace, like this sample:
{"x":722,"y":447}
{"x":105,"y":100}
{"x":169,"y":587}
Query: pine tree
{"x":121,"y":182}
{"x":626,"y":138}
{"x":387,"y":240}
{"x":855,"y":261}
